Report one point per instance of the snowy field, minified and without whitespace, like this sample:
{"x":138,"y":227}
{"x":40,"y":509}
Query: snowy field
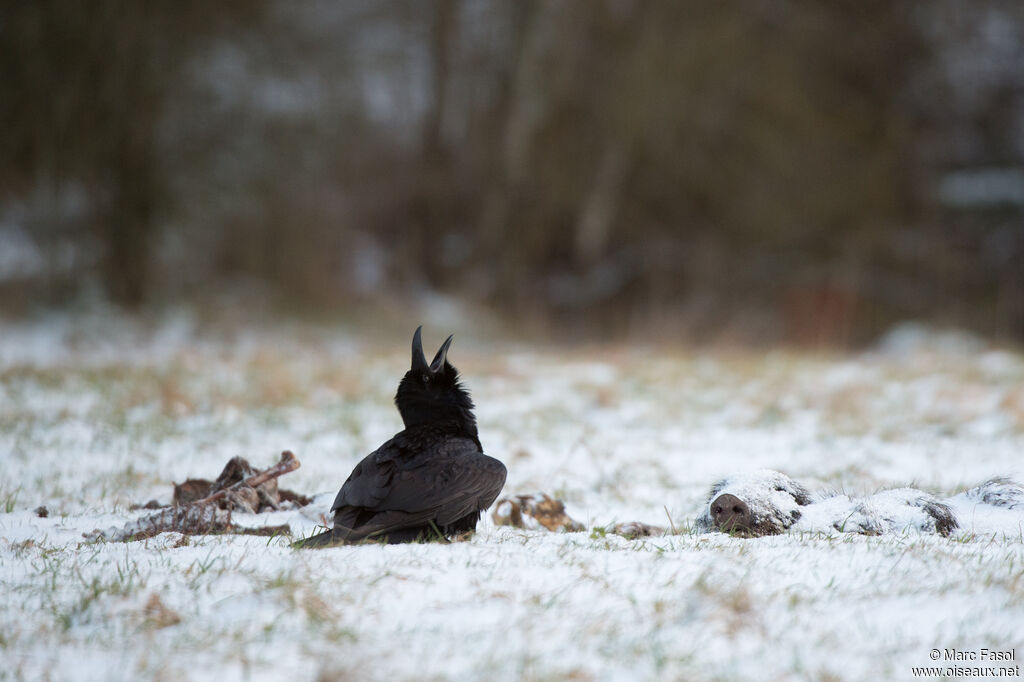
{"x":100,"y":412}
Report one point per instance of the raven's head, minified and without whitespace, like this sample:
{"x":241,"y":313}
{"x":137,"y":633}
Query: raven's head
{"x":432,"y":393}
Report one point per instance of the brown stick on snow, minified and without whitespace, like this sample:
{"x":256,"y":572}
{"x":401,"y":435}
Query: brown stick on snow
{"x":289,"y":462}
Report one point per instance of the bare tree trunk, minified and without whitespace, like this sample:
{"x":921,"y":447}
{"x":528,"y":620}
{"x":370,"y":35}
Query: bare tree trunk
{"x":533,"y":87}
{"x":444,"y":31}
{"x":134,"y":174}
{"x":600,"y":205}
{"x":129,"y":223}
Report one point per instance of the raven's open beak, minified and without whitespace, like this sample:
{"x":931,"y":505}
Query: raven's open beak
{"x":442,"y":356}
{"x":419,"y":361}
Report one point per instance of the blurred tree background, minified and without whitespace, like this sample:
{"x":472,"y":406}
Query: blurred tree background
{"x":782,"y":171}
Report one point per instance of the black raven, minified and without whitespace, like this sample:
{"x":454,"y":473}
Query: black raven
{"x":432,"y":479}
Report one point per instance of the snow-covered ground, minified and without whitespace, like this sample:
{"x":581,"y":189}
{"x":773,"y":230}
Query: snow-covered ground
{"x":98,"y":412}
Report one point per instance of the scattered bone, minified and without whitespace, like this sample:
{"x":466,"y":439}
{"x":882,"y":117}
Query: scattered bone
{"x":244,"y":497}
{"x":241,"y":488}
{"x":238,"y":487}
{"x":238,"y":493}
{"x":193,"y":519}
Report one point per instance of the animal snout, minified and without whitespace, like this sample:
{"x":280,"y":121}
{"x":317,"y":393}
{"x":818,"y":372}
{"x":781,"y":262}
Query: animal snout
{"x":730,"y":513}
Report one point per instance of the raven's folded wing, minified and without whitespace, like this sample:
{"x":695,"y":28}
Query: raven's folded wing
{"x":368,"y":483}
{"x":444,"y":484}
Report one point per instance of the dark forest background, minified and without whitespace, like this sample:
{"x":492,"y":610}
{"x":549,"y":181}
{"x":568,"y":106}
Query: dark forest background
{"x":783,"y":170}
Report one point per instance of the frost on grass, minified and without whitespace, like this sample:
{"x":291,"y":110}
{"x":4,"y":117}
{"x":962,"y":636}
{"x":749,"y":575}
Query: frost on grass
{"x":102,"y":412}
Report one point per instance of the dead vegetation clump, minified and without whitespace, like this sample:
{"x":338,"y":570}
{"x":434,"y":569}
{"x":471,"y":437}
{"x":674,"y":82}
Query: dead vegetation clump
{"x":534,"y":512}
{"x":157,"y":615}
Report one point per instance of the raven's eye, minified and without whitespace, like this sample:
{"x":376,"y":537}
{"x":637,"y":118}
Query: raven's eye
{"x":426,"y":378}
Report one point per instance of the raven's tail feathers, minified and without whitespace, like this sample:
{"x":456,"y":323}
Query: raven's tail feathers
{"x":329,"y":538}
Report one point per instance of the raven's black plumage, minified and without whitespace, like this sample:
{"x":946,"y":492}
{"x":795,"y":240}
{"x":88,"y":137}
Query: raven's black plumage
{"x":431,"y":478}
